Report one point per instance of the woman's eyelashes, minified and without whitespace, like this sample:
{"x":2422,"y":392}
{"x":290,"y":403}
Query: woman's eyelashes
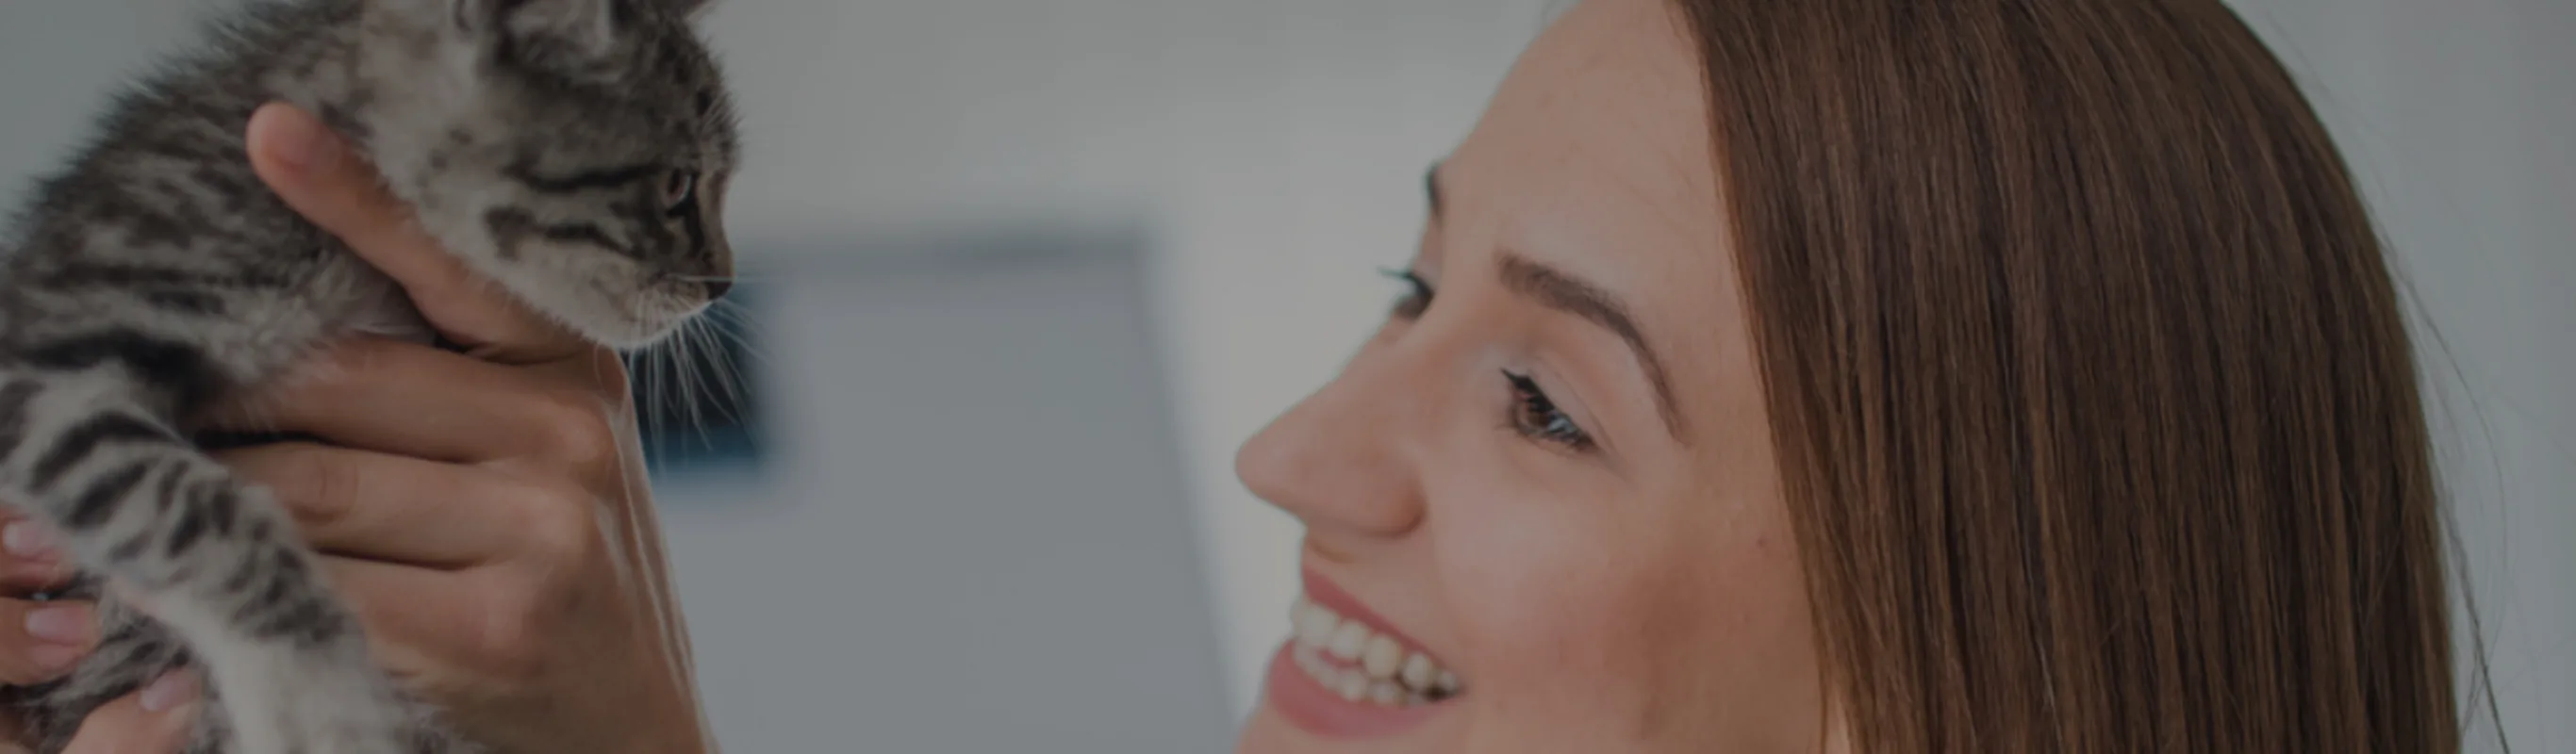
{"x":1532,"y":413}
{"x":1534,"y":416}
{"x":1417,"y":295}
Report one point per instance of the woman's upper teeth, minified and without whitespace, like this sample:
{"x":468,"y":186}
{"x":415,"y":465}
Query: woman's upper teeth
{"x":1371,"y":652}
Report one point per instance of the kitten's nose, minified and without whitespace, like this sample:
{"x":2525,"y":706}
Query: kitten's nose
{"x":716,"y":287}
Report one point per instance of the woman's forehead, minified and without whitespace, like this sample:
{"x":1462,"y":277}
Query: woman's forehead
{"x":1598,"y":141}
{"x":1595,"y":157}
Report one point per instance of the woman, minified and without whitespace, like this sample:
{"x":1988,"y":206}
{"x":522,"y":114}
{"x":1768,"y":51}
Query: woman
{"x":1840,"y":375}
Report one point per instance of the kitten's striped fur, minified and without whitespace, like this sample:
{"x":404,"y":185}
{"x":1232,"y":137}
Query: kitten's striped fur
{"x":574,"y":151}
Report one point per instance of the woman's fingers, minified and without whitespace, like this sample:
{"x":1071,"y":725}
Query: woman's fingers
{"x":326,"y":182}
{"x":419,"y":621}
{"x":155,"y":720}
{"x":414,"y":400}
{"x":378,"y":506}
{"x":30,"y":559}
{"x":40,"y":641}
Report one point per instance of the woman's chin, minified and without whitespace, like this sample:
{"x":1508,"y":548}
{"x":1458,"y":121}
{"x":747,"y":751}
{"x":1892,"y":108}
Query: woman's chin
{"x":1270,"y":732}
{"x":1265,"y":733}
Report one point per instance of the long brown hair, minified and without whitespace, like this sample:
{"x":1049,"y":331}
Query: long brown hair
{"x":2092,"y":393}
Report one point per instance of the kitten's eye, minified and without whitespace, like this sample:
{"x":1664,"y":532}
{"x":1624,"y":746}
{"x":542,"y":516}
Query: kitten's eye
{"x":1417,"y":296}
{"x":1536,"y":417}
{"x":679,"y":191}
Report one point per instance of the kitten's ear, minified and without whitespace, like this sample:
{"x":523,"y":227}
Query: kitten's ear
{"x":689,"y":8}
{"x":576,"y":37}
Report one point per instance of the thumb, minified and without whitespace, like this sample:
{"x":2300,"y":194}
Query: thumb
{"x":156,"y":720}
{"x":320,"y":177}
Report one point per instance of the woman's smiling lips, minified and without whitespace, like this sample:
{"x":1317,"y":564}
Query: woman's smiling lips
{"x":1348,"y":673}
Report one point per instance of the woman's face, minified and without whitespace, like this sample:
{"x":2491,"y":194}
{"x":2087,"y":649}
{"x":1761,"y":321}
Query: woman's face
{"x":1550,"y":474}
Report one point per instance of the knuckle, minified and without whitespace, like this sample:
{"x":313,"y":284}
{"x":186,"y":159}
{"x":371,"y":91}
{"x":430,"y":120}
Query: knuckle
{"x":327,"y":493}
{"x":576,"y":427}
{"x":609,"y":377}
{"x":561,"y":523}
{"x":529,"y":601}
{"x":313,"y":490}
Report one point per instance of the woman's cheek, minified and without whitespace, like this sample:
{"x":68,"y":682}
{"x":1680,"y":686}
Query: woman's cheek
{"x":1602,"y":617}
{"x":1544,"y":593}
{"x":1729,"y":630}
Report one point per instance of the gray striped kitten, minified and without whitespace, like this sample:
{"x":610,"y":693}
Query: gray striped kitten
{"x":574,"y":151}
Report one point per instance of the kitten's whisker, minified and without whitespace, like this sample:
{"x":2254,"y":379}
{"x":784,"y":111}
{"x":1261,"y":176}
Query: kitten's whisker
{"x":728,"y":346}
{"x":674,"y":401}
{"x":690,"y":364}
{"x":657,"y":359}
{"x":746,"y":327}
{"x":727,"y":375}
{"x":676,"y":349}
{"x":657,"y":363}
{"x":720,"y":376}
{"x":717,"y":378}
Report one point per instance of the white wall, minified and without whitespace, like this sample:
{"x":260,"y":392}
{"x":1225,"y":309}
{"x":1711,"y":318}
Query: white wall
{"x":974,"y":536}
{"x":1275,"y":147}
{"x":59,"y":58}
{"x":1299,"y":178}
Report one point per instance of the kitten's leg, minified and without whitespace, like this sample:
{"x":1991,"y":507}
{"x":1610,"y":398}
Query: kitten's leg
{"x":213,"y":559}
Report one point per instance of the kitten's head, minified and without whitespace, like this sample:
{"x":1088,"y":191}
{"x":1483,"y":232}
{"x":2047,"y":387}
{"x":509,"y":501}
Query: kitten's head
{"x":587,"y":159}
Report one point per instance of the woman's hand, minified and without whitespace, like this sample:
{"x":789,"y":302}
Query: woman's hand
{"x":485,"y":513}
{"x":40,"y":641}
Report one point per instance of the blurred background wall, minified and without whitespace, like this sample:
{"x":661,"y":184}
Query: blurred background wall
{"x":1033,"y":269}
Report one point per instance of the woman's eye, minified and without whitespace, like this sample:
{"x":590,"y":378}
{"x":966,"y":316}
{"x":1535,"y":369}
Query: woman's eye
{"x":1417,"y":295}
{"x":1538,"y":418}
{"x":679,"y":191}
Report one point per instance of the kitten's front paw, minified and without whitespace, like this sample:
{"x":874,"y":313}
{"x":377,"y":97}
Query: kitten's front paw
{"x":313,"y":707}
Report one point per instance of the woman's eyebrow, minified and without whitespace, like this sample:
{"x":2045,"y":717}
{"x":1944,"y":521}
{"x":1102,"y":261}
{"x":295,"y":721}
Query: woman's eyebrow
{"x":1557,"y":290}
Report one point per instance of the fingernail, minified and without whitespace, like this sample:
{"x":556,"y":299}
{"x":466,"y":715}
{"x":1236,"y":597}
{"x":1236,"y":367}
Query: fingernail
{"x":26,"y":539}
{"x":61,"y":624}
{"x":170,"y":690}
{"x":306,"y":146}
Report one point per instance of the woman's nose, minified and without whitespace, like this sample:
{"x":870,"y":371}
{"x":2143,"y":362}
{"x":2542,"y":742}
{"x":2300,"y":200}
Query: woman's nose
{"x":1343,"y":459}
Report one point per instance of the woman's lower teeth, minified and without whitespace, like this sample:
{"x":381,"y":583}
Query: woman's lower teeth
{"x":1348,"y":658}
